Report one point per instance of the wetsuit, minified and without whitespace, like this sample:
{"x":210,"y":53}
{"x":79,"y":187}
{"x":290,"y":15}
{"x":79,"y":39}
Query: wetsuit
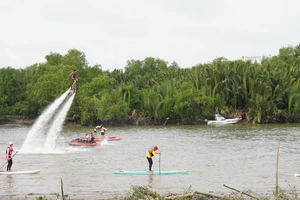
{"x":9,"y":151}
{"x":149,"y":156}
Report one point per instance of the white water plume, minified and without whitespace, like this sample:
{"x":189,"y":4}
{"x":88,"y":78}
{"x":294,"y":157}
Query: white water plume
{"x":57,"y":125}
{"x":35,"y":139}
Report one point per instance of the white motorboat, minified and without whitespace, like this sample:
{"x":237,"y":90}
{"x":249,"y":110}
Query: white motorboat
{"x":220,"y":120}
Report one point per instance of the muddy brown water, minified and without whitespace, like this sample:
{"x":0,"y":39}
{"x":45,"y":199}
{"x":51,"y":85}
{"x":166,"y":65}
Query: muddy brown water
{"x":239,"y":156}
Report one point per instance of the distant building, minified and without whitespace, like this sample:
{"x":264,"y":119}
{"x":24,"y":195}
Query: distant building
{"x":255,"y":58}
{"x":252,"y":58}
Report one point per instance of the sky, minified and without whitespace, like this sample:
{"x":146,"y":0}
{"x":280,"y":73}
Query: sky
{"x":111,"y":32}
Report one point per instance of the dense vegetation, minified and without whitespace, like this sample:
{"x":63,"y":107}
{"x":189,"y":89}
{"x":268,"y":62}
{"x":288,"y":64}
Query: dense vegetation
{"x":149,"y":91}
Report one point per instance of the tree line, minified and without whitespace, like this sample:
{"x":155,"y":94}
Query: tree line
{"x":150,"y":91}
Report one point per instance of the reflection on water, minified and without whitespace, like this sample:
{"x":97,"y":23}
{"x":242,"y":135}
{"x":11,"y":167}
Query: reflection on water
{"x":150,"y":179}
{"x":9,"y":184}
{"x":240,"y":156}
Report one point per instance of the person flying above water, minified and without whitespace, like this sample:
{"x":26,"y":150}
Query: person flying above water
{"x":74,"y":79}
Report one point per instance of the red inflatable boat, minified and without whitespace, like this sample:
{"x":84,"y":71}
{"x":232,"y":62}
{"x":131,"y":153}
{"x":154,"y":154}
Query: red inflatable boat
{"x":109,"y":138}
{"x":80,"y":142}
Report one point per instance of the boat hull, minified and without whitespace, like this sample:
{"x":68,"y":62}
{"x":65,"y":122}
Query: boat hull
{"x":154,"y":172}
{"x":223,"y":122}
{"x":85,"y":144}
{"x":220,"y":120}
{"x":110,"y":138}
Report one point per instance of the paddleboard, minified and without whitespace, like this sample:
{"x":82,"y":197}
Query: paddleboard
{"x":154,"y":172}
{"x":297,"y":174}
{"x":20,"y":172}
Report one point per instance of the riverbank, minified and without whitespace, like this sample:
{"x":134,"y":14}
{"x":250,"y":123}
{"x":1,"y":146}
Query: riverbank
{"x":144,"y":193}
{"x":16,"y":119}
{"x":22,"y":120}
{"x":37,"y":196}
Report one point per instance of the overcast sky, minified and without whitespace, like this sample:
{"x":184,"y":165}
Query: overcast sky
{"x":111,"y":32}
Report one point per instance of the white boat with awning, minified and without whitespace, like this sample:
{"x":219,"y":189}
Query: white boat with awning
{"x":220,"y":120}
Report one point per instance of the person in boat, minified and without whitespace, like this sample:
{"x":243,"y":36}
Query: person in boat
{"x":217,"y":111}
{"x":9,"y":152}
{"x":74,"y":79}
{"x":92,"y":138}
{"x":217,"y":114}
{"x":152,"y":152}
{"x":87,"y":137}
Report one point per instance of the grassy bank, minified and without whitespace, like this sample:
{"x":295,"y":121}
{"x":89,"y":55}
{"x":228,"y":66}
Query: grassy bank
{"x":144,"y":193}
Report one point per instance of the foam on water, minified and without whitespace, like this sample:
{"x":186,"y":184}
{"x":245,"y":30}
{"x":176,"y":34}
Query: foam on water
{"x":42,"y":137}
{"x":57,"y":150}
{"x":104,"y":141}
{"x":56,"y":125}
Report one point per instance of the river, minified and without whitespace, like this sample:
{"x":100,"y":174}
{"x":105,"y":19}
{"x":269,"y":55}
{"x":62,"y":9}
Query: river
{"x":240,"y":156}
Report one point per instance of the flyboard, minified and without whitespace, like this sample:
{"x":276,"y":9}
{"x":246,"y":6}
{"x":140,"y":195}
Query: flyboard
{"x":72,"y":91}
{"x":154,"y":172}
{"x":19,"y":172}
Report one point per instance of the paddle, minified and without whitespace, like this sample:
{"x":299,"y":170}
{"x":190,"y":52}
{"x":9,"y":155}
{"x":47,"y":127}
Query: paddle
{"x":159,"y":162}
{"x":6,"y":161}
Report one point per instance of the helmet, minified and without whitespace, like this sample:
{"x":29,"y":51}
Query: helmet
{"x":11,"y":143}
{"x":155,"y":148}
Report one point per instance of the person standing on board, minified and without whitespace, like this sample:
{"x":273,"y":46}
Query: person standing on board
{"x":74,"y":79}
{"x":152,"y":152}
{"x":9,"y":152}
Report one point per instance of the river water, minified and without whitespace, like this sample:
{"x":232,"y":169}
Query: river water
{"x":239,"y":156}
